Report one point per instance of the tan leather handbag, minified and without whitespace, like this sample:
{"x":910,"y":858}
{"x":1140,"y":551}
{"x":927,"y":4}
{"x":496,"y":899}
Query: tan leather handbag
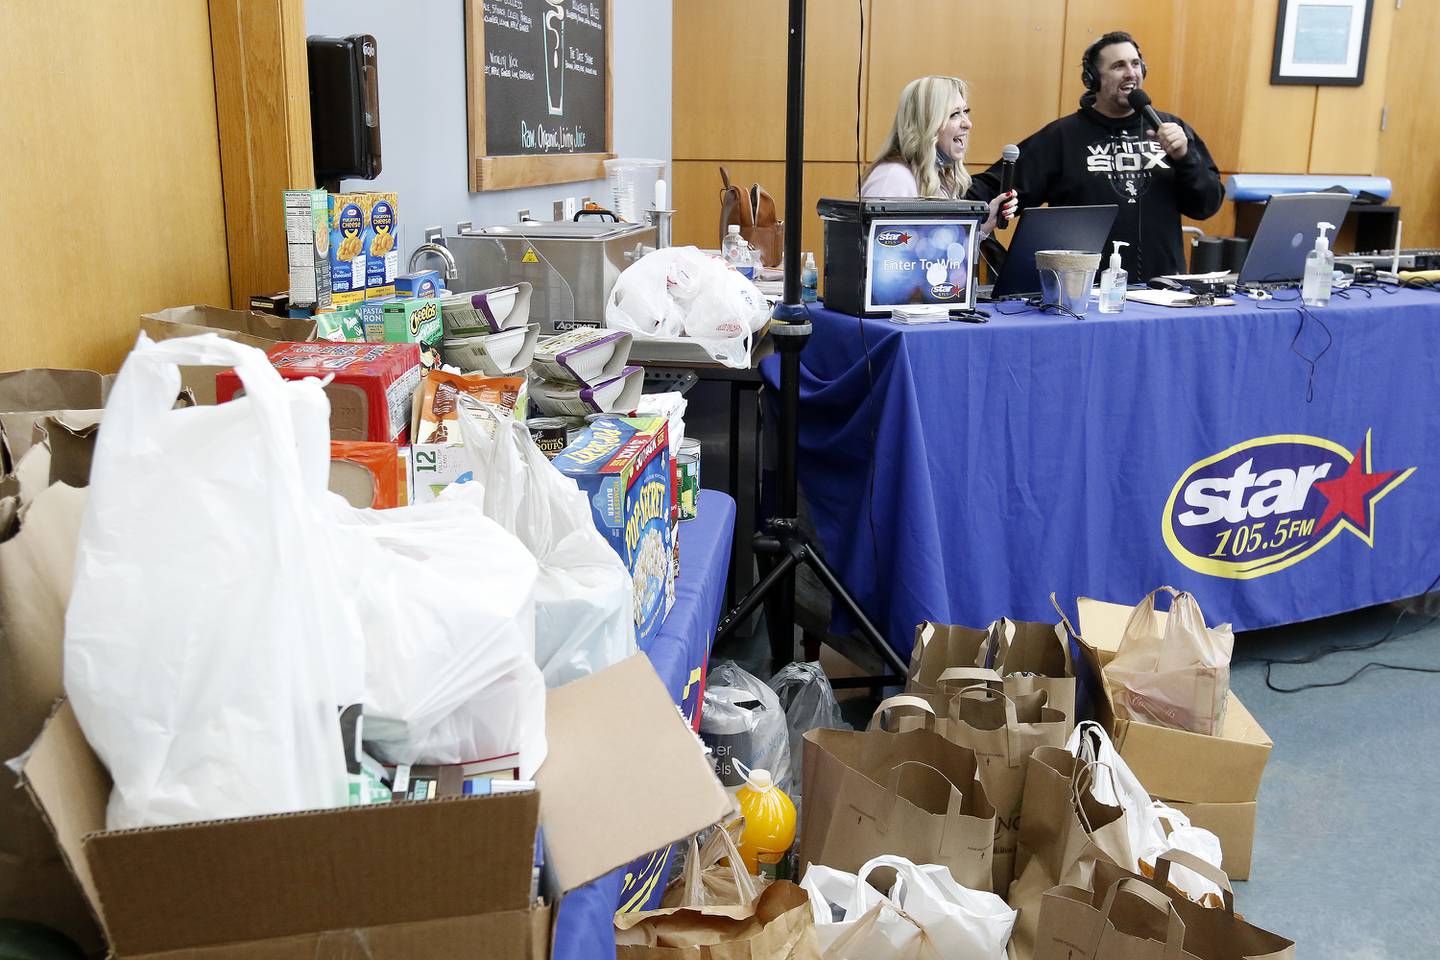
{"x":755,"y":213}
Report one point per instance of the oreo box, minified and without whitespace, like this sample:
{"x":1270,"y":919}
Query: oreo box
{"x":370,"y":395}
{"x":622,"y":465}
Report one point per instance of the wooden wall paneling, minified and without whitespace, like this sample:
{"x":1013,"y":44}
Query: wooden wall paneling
{"x":1009,"y":54}
{"x":262,"y":99}
{"x":1407,"y":145}
{"x":1153,"y":24}
{"x":1346,"y":134}
{"x":112,"y":173}
{"x":728,"y":88}
{"x":1275,"y":121}
{"x":1213,"y":60}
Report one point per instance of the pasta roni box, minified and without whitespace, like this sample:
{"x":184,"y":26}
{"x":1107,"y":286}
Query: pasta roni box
{"x":622,"y":464}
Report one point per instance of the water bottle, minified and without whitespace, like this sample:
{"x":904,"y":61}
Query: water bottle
{"x":809,"y":280}
{"x":737,"y":252}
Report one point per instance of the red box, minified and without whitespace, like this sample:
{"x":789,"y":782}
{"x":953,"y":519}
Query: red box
{"x":373,"y":389}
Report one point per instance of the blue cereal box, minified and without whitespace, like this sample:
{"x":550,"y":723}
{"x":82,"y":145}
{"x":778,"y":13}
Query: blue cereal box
{"x":349,"y":214}
{"x":622,"y":464}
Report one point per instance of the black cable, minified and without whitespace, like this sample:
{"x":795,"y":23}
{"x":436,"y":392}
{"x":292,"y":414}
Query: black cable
{"x":1295,"y":303}
{"x":1320,"y":654}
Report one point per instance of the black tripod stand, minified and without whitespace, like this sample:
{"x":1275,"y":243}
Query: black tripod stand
{"x":781,"y":541}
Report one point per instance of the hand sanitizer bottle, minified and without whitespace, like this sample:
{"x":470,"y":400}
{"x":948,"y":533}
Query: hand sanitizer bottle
{"x":1319,"y":270}
{"x":1113,"y":283}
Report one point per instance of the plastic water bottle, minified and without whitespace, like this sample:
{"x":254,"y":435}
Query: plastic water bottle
{"x":809,"y":280}
{"x":737,"y":252}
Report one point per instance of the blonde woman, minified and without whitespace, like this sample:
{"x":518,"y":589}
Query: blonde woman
{"x":924,"y":156}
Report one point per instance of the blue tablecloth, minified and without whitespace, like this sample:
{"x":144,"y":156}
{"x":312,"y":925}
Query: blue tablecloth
{"x":584,"y":928}
{"x":995,"y":463}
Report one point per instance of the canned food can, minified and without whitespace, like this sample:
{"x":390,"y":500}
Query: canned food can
{"x":689,"y":485}
{"x":549,"y":435}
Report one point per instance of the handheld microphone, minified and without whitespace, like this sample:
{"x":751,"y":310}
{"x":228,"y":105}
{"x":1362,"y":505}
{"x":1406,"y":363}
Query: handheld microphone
{"x":1140,"y":100}
{"x":1008,"y":156}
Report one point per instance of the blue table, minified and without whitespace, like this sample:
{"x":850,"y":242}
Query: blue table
{"x":585,"y":926}
{"x":1280,"y":466}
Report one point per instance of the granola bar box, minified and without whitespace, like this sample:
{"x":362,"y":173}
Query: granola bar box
{"x":622,"y":464}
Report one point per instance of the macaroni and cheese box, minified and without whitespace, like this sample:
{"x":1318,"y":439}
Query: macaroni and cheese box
{"x":422,"y":283}
{"x":416,"y":320}
{"x":370,"y":395}
{"x":347,"y":219}
{"x":622,"y":465}
{"x":307,"y":245}
{"x":382,"y":256}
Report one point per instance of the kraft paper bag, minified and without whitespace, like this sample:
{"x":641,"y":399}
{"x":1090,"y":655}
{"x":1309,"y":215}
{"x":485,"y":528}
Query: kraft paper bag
{"x":1064,"y":832}
{"x":1002,"y":730}
{"x":777,"y":926}
{"x":27,"y":396}
{"x":915,"y":795}
{"x":1030,"y":656}
{"x":1176,"y":678}
{"x":37,"y":561}
{"x":1117,"y":915}
{"x":260,"y":330}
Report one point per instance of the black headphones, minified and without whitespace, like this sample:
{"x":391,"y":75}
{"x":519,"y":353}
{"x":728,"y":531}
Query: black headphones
{"x":1089,"y":74}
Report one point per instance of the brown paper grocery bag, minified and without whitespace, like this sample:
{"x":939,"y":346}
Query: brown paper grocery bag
{"x":1117,"y":915}
{"x":1033,"y":656}
{"x":938,"y":647}
{"x":1176,"y":678}
{"x":777,"y":926}
{"x":1004,"y":730}
{"x":1064,"y":832}
{"x":30,"y":395}
{"x":914,"y":794}
{"x":260,"y":330}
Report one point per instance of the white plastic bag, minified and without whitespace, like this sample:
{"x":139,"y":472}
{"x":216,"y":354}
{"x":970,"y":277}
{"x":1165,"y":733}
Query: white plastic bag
{"x":679,"y":291}
{"x":927,"y":914}
{"x":741,"y":719}
{"x":584,"y":598}
{"x":1148,"y":834}
{"x":447,"y":602}
{"x":211,"y":637}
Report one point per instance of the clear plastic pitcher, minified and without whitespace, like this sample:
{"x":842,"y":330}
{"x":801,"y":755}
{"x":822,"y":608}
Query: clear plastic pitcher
{"x":632,"y":185}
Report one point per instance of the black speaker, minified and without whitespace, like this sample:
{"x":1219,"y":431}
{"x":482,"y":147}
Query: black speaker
{"x":344,"y":108}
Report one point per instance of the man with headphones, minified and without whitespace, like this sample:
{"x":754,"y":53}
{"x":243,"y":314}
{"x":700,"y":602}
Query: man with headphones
{"x":1105,"y":153}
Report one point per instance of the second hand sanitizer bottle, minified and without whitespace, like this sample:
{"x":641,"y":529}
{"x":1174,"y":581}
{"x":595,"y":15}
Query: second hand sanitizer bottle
{"x":1319,"y":270}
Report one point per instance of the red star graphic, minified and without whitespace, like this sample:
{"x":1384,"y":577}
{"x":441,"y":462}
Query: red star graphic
{"x":904,"y":238}
{"x":1349,"y":495}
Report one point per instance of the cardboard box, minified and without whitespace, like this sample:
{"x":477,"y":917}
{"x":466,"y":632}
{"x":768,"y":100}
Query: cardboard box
{"x":372,"y":320}
{"x":421,"y":283}
{"x":340,"y":324}
{"x":1234,"y":824}
{"x":395,"y":881}
{"x":368,"y":475}
{"x":434,"y":466}
{"x":1174,"y":764}
{"x":622,"y":465}
{"x":260,"y":330}
{"x":346,"y":221}
{"x":415,"y":320}
{"x":371,"y":393}
{"x":307,"y":245}
{"x":382,"y":254}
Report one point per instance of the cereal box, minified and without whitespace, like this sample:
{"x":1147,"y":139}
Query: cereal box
{"x":623,"y":467}
{"x":372,"y":391}
{"x":307,"y":244}
{"x":416,"y":320}
{"x":348,"y":214}
{"x":382,"y":256}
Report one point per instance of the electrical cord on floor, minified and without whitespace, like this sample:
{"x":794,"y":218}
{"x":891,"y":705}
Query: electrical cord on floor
{"x":1323,"y":652}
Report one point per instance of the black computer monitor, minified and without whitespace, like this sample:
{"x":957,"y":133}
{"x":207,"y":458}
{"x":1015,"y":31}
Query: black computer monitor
{"x":1050,"y":228}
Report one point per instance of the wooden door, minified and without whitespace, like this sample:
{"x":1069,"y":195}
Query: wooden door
{"x":124,"y":131}
{"x":1412,"y":125}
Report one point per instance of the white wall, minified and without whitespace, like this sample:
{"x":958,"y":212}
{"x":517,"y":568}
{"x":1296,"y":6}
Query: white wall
{"x":424,"y":151}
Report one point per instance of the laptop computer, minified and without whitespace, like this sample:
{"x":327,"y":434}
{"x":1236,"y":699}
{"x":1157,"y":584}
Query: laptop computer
{"x":1050,"y":228}
{"x":1287,"y":234}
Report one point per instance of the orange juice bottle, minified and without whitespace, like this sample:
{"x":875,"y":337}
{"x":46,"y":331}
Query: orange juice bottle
{"x":769,"y":825}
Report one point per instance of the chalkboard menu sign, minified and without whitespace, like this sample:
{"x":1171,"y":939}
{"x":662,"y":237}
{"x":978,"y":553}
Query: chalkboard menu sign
{"x":539,"y":91}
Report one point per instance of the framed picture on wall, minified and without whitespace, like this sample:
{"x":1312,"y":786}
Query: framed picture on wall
{"x":1321,"y":42}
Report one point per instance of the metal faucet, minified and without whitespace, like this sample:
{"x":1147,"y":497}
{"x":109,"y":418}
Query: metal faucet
{"x":434,"y":245}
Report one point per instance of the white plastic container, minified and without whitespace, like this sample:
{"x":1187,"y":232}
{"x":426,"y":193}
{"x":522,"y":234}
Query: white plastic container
{"x":632,"y":185}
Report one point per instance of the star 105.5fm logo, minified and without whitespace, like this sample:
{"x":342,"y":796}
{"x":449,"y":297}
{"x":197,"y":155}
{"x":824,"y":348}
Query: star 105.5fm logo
{"x":1268,"y":503}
